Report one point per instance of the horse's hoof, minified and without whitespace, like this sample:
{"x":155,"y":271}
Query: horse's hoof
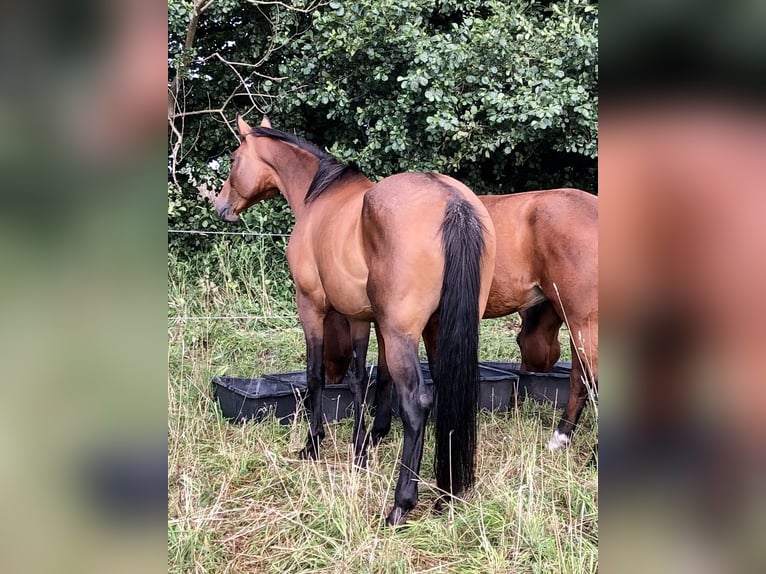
{"x":378,"y":436}
{"x":439,"y":505}
{"x":307,"y":453}
{"x":360,"y":462}
{"x":558,"y":441}
{"x":397,"y":517}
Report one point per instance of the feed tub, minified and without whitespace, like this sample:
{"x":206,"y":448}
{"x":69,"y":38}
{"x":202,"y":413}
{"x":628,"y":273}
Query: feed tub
{"x":281,"y":393}
{"x":253,"y":399}
{"x":337,"y":400}
{"x":497,"y":388}
{"x":551,"y":387}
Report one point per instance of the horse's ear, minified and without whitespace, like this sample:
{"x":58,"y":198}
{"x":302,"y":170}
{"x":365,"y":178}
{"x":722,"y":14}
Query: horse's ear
{"x":242,"y":126}
{"x":265,"y":123}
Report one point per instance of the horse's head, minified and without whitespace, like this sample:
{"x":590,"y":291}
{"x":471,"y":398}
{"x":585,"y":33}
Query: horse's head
{"x":251,"y":179}
{"x":538,"y":341}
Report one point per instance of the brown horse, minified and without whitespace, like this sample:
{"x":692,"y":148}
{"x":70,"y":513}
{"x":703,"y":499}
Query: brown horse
{"x":547,"y":253}
{"x":547,"y":269}
{"x":409,"y":252}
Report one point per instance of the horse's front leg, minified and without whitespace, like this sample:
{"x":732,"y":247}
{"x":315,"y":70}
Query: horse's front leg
{"x":562,"y":436}
{"x":313,"y":328}
{"x":584,"y":345}
{"x":360,"y":339}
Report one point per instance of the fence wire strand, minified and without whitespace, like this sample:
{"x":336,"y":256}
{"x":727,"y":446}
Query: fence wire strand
{"x":238,"y":233}
{"x":233,"y":317}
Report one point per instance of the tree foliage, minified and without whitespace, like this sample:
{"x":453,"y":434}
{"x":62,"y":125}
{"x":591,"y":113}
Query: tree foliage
{"x":501,"y":94}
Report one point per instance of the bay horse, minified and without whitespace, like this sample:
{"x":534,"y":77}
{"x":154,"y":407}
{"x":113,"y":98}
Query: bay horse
{"x":547,"y":253}
{"x":547,"y":270}
{"x":411,"y":252}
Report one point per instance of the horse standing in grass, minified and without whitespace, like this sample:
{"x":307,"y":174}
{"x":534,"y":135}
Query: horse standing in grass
{"x":411,"y":252}
{"x":547,"y":269}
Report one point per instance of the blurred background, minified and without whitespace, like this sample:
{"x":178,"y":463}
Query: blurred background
{"x":682,"y":182}
{"x":83,"y":256}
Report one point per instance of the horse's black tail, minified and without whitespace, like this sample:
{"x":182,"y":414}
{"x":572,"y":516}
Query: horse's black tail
{"x":456,"y":370}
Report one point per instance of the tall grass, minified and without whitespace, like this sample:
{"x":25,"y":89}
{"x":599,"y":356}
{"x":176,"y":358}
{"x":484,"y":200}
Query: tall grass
{"x":239,"y":500}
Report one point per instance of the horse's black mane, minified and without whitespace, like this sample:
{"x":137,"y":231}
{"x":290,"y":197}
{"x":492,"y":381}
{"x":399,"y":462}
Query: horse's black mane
{"x":330,"y":169}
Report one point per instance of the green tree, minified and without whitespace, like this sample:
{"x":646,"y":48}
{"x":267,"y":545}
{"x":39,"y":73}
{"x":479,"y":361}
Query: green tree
{"x":500,"y":94}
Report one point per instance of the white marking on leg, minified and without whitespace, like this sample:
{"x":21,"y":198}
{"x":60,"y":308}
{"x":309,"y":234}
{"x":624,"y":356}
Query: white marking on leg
{"x":558,"y":441}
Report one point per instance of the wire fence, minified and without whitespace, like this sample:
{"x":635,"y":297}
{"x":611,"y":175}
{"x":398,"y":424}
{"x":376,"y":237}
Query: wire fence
{"x":185,"y":318}
{"x":237,"y":233}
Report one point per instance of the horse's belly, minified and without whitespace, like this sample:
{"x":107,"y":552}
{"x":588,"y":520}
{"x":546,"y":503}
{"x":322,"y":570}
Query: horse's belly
{"x":348,"y":296}
{"x":506,"y":297}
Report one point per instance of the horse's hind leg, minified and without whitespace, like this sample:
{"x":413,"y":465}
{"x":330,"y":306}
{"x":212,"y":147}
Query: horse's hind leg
{"x":360,"y":337}
{"x":402,"y":359}
{"x":584,"y":344}
{"x":381,"y":425}
{"x":430,"y":334}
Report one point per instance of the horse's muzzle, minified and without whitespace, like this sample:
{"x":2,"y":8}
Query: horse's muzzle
{"x":226,"y":213}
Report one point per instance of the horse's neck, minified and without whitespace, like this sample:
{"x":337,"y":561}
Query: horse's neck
{"x":294,"y":169}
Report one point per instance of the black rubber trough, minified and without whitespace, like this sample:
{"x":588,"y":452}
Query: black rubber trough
{"x":281,"y":393}
{"x":498,"y":388}
{"x":550,"y":387}
{"x":254,"y":399}
{"x":337,"y":400}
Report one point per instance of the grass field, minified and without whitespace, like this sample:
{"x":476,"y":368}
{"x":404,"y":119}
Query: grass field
{"x":239,"y":500}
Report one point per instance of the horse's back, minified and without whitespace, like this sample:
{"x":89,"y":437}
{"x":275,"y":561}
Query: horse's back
{"x":564,"y":208}
{"x":406,"y":206}
{"x":532,"y":219}
{"x":425,"y":196}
